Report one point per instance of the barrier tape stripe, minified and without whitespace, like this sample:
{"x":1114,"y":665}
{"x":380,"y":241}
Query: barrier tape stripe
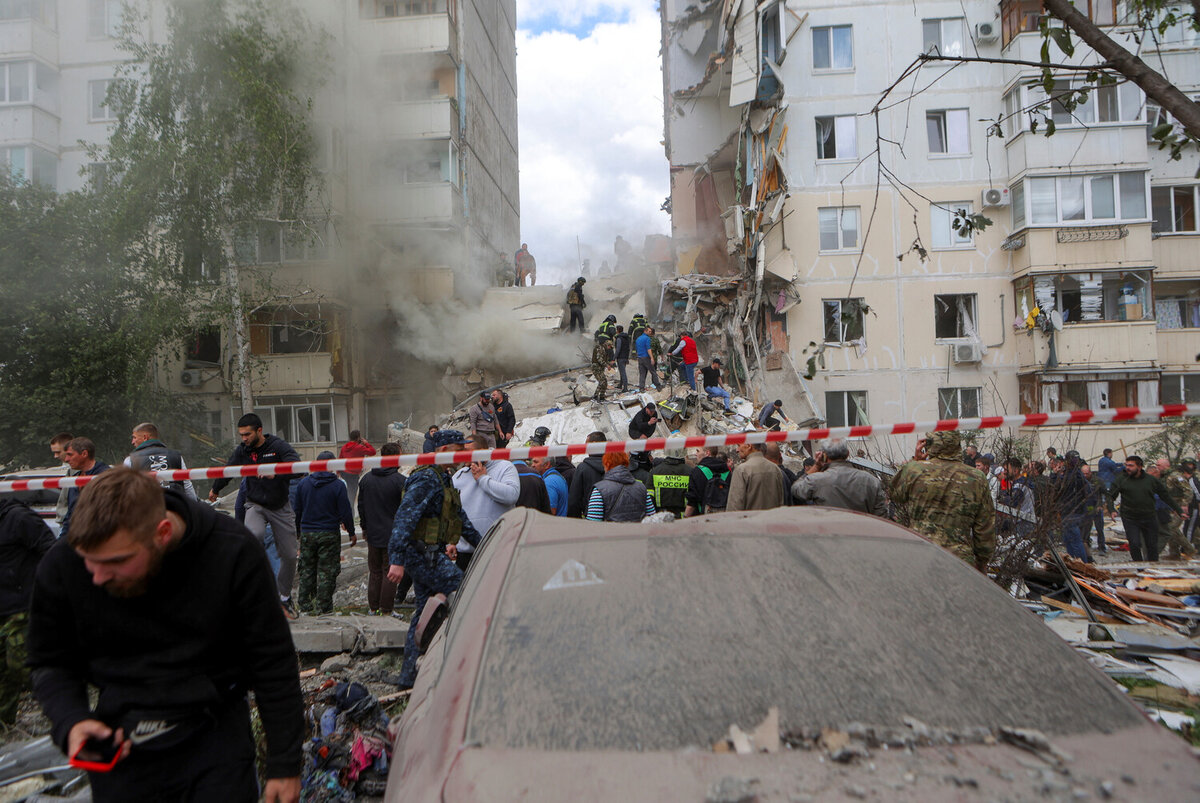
{"x":359,"y":464}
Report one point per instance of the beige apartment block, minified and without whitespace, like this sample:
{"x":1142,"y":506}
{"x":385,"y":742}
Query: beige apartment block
{"x":416,"y":126}
{"x":791,"y":168}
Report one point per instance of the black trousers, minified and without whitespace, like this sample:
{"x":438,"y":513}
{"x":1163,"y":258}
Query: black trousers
{"x":576,"y":315}
{"x":1096,"y":519}
{"x":1142,"y":532}
{"x":621,"y":366}
{"x":215,"y":765}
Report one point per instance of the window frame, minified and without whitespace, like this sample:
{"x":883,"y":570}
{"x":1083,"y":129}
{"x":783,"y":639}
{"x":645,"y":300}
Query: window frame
{"x":6,"y":82}
{"x":861,"y":411}
{"x":103,"y":101}
{"x":941,"y":23}
{"x":845,"y":330}
{"x":105,"y":14}
{"x":944,"y":411}
{"x":840,"y":212}
{"x":973,"y":312}
{"x":950,"y":210}
{"x":1088,"y":218}
{"x":1172,"y":190}
{"x":830,"y":38}
{"x":960,"y":115}
{"x":1180,"y":394}
{"x":838,"y":155}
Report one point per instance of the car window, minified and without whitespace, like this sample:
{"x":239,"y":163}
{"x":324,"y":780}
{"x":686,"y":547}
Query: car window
{"x":664,"y":642}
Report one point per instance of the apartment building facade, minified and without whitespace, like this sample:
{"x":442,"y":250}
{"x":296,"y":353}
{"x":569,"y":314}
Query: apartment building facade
{"x":792,"y":163}
{"x":417,"y":144}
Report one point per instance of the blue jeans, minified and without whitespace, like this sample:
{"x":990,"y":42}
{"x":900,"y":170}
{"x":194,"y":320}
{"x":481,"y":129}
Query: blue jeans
{"x":719,"y":393}
{"x":1073,"y":537}
{"x":689,"y":374}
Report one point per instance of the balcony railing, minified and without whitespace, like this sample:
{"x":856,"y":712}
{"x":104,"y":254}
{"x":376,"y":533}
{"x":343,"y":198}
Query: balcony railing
{"x":1101,"y":346}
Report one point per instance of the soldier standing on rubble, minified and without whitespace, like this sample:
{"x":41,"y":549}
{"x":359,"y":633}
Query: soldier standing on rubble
{"x":428,"y":524}
{"x":1171,"y":530}
{"x":945,"y":500}
{"x":576,"y":302}
{"x":602,"y":360}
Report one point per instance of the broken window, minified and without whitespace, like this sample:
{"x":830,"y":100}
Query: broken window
{"x":1174,"y":209}
{"x":1181,"y":389}
{"x":837,"y":137}
{"x":292,"y":330}
{"x":204,"y":346}
{"x":1177,"y":305}
{"x":958,"y":402}
{"x":772,"y":37}
{"x":1087,"y":297}
{"x":944,"y":36}
{"x":846,"y":408}
{"x":947,"y":130}
{"x":843,"y":319}
{"x":1096,"y":394}
{"x":954,"y":317}
{"x":946,"y":222}
{"x":837,"y":228}
{"x":833,"y":47}
{"x":300,"y":423}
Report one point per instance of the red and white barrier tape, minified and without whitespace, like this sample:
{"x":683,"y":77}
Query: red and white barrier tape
{"x":359,"y":464}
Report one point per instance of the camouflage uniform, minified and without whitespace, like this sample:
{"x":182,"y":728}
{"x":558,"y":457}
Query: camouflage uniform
{"x":601,"y":357}
{"x":320,"y":564}
{"x":426,"y":564}
{"x":1171,"y":531}
{"x":946,"y":501}
{"x":14,"y":675}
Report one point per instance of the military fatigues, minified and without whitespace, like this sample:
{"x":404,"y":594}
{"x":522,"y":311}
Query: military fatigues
{"x":601,"y":357}
{"x":950,"y":503}
{"x":1170,"y":531}
{"x":320,"y":564}
{"x":425,"y":523}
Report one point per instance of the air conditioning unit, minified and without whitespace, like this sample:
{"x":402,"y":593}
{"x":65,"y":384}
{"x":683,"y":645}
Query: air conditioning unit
{"x":190,"y":379}
{"x":995,"y":196}
{"x":986,"y":32}
{"x":967,"y":352}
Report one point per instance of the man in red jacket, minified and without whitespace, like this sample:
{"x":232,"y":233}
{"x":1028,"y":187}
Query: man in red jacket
{"x":357,"y":446}
{"x":687,"y":351}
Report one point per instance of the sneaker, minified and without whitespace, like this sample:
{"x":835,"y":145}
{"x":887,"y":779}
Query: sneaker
{"x":398,"y":615}
{"x":372,"y":613}
{"x":289,"y":610}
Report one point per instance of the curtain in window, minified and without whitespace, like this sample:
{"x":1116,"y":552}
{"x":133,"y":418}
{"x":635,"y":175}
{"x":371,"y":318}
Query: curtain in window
{"x":1042,"y":201}
{"x":935,"y":126}
{"x":1050,"y":398}
{"x":824,"y":134}
{"x":957,"y":124}
{"x":1147,"y":390}
{"x":1097,"y":395}
{"x":858,"y":403}
{"x":845,"y":137}
{"x":1166,"y":310}
{"x":827,"y":224}
{"x":1070,"y":190}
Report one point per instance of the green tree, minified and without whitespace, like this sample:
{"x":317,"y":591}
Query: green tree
{"x":212,"y":138}
{"x":1178,"y":439}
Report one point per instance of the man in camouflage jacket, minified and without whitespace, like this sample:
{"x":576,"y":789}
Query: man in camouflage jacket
{"x":947,"y":501}
{"x":602,"y":359}
{"x":1171,"y":530}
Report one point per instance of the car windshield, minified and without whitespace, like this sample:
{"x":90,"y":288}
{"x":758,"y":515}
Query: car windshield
{"x":663,"y":642}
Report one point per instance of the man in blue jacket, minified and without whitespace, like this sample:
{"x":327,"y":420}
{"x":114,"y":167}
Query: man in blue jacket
{"x":322,"y":503}
{"x":1109,"y":469}
{"x":644,"y":346}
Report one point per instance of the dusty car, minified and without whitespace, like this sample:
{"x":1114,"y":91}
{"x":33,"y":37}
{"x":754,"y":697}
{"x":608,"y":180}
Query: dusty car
{"x":587,"y":661}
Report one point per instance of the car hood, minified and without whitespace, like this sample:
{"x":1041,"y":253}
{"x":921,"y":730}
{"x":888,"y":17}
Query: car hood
{"x":1145,"y":762}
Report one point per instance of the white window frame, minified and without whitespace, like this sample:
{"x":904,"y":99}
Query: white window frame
{"x":104,"y":19}
{"x":840,"y":214}
{"x":269,"y":413}
{"x":6,"y":82}
{"x":844,"y":131}
{"x":99,"y":104}
{"x":852,"y":408}
{"x":1061,"y":184}
{"x":943,"y":236}
{"x":944,"y":24}
{"x":955,"y":131}
{"x":827,"y":32}
{"x":1171,"y":191}
{"x":1180,"y":394}
{"x":1131,"y":105}
{"x":972,"y":313}
{"x":833,"y":306}
{"x":953,"y":398}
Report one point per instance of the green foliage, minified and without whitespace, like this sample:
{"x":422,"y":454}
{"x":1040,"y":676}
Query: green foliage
{"x":1178,"y":439}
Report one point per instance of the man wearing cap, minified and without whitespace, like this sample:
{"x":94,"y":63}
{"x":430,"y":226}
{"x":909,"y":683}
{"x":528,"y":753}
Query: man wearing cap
{"x":428,"y":524}
{"x":602,"y":360}
{"x":711,"y":379}
{"x":322,"y":504}
{"x":482,"y":417}
{"x":946,"y":501}
{"x":645,"y":423}
{"x":767,"y":419}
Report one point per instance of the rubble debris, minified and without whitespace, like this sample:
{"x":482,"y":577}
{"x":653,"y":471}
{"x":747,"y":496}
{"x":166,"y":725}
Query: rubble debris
{"x":732,"y":790}
{"x":350,"y":748}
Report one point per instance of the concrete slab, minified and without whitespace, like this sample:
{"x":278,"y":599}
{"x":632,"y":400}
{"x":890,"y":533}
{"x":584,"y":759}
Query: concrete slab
{"x":340,"y":633}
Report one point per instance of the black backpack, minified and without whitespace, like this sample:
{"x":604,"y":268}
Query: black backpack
{"x":716,"y":490}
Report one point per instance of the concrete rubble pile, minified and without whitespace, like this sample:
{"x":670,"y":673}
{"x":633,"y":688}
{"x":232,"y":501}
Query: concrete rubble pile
{"x":1137,"y":622}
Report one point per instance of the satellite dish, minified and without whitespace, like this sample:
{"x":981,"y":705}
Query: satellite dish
{"x":1056,"y":320}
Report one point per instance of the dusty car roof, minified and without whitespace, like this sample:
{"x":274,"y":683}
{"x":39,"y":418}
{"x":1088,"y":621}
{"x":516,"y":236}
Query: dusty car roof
{"x":653,"y":637}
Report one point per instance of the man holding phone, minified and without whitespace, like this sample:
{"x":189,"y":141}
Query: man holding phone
{"x":170,"y":610}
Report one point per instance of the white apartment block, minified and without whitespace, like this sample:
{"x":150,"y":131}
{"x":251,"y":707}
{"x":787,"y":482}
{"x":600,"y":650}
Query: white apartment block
{"x":774,"y":116}
{"x":417,"y":133}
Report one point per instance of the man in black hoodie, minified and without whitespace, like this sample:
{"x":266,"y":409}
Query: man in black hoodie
{"x":322,"y":503}
{"x":506,"y":418}
{"x":169,"y":610}
{"x":24,"y":539}
{"x":379,"y":495}
{"x":267,"y":499}
{"x":586,"y":475}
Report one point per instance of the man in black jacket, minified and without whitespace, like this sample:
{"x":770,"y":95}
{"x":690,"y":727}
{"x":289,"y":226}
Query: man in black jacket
{"x":169,"y":610}
{"x":267,"y":499}
{"x":24,"y":539}
{"x":506,"y":419}
{"x":621,"y":355}
{"x":533,"y":488}
{"x":645,"y":423}
{"x":586,"y":475}
{"x":379,"y":495}
{"x":151,"y":454}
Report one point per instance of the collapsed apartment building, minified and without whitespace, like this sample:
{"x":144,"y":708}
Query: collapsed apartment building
{"x":817,"y":222}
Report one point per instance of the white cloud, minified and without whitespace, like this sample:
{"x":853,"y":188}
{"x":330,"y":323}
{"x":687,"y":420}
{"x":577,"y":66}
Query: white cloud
{"x":592,"y":164}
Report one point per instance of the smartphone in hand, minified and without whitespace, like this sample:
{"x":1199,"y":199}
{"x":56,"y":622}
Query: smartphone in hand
{"x":97,"y":755}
